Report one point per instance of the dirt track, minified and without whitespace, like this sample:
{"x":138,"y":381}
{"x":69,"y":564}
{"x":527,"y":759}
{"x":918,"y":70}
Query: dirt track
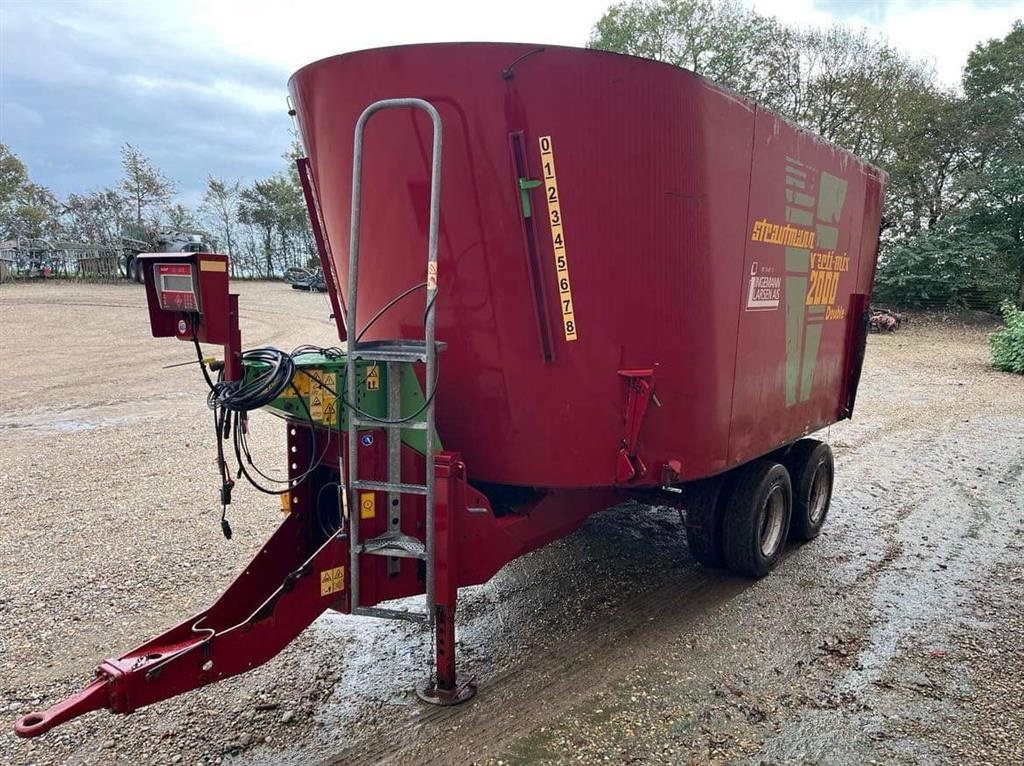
{"x":892,"y":638}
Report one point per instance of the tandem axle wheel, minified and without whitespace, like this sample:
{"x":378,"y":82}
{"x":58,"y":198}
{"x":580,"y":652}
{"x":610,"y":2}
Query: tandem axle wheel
{"x":742,"y":519}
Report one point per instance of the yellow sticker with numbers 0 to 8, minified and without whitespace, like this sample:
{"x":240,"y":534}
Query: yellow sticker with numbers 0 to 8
{"x":547,"y":161}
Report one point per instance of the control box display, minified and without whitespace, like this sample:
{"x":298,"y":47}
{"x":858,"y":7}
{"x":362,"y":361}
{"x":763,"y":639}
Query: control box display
{"x":176,"y":287}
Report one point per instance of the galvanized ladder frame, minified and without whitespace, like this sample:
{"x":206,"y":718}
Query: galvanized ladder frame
{"x":429,"y":357}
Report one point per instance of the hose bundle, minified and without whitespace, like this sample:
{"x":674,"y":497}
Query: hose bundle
{"x":262,"y":383}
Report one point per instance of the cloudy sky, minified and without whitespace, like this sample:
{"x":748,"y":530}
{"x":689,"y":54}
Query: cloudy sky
{"x":199,"y":85}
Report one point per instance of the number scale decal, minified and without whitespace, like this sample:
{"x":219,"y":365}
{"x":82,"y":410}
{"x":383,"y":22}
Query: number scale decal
{"x":547,"y":161}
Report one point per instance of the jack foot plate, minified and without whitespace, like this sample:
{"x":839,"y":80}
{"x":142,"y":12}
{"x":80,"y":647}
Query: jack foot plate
{"x":428,"y":692}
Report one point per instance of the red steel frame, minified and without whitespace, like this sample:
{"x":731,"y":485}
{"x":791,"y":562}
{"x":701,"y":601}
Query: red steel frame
{"x":282,"y":590}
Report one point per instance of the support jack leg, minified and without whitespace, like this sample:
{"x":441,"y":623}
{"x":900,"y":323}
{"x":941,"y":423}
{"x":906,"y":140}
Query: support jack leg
{"x":444,"y":688}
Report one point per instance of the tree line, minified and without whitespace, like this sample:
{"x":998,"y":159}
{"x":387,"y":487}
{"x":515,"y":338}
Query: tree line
{"x":955,"y":156}
{"x":262,"y":225}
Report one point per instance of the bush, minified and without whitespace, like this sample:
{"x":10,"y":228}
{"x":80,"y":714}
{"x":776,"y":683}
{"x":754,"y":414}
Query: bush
{"x":1008,"y":344}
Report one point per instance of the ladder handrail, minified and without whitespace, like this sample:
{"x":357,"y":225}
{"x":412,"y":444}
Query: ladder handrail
{"x":429,"y":336}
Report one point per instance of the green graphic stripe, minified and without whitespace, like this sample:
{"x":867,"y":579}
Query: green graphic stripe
{"x":796,"y":289}
{"x":811,"y":342}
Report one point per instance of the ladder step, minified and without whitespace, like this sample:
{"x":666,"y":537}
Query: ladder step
{"x":419,"y":425}
{"x":387,"y":486}
{"x":391,"y":614}
{"x":396,"y":544}
{"x":392,"y":350}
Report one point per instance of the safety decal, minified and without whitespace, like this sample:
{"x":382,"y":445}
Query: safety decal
{"x":373,"y":378}
{"x":547,"y":160}
{"x":300,"y":383}
{"x":332,"y":581}
{"x":367,"y":505}
{"x":322,"y":399}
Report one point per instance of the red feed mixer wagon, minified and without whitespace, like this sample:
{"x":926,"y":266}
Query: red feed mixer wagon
{"x":566,"y":278}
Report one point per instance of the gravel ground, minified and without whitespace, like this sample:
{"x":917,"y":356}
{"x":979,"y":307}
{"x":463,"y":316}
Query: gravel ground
{"x":108,"y":489}
{"x":894,"y":638}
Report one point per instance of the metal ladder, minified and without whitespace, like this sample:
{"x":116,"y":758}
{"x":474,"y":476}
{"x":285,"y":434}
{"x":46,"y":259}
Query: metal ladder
{"x":393,"y":354}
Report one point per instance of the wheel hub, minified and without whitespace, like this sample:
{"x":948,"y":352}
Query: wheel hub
{"x":772,"y":522}
{"x":819,"y":493}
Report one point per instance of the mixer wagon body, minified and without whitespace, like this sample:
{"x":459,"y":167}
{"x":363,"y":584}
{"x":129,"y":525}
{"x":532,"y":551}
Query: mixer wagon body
{"x":637,"y":284}
{"x":704,"y":238}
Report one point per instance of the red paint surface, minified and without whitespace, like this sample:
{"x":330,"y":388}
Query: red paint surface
{"x":660,"y":176}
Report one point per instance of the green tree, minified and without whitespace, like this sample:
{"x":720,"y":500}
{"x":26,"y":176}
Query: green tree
{"x":26,"y":209}
{"x":220,"y":206}
{"x":180,"y":217}
{"x":723,"y":41}
{"x":143,"y":185}
{"x":13,"y":176}
{"x":956,"y":264}
{"x":274,"y":207}
{"x":994,"y":181}
{"x":99,"y":217}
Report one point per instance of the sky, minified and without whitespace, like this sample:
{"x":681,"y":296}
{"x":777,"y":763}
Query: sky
{"x":200,"y":85}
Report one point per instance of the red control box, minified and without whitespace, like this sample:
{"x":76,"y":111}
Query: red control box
{"x":188,"y":294}
{"x":188,"y":297}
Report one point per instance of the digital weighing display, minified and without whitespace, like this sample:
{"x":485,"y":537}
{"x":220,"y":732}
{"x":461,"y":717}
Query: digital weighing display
{"x":176,"y":287}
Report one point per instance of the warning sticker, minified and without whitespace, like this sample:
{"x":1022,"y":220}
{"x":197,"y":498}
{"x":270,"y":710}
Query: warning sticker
{"x":330,"y":411}
{"x":322,"y":399}
{"x":372,"y":378}
{"x":300,"y":383}
{"x":367,"y":505}
{"x":332,"y":581}
{"x":316,"y":403}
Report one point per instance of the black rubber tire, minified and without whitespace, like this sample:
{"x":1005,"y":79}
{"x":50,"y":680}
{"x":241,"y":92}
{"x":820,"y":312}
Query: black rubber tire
{"x":133,"y":270}
{"x":807,"y":459}
{"x":702,"y":503}
{"x":745,"y":513}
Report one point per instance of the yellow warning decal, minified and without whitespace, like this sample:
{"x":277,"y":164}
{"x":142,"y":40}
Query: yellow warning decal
{"x":547,"y":161}
{"x":367,"y":505}
{"x":205,"y":265}
{"x":300,"y":383}
{"x":330,"y":412}
{"x":432,"y":276}
{"x":322,"y":399}
{"x":332,"y":581}
{"x":372,"y":377}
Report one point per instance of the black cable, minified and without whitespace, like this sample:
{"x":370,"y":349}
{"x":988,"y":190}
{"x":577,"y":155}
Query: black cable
{"x":375,"y":418}
{"x":199,"y":351}
{"x":386,"y":306}
{"x":267,"y":376}
{"x":315,"y":462}
{"x":243,"y":445}
{"x":431,"y":392}
{"x":258,"y":387}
